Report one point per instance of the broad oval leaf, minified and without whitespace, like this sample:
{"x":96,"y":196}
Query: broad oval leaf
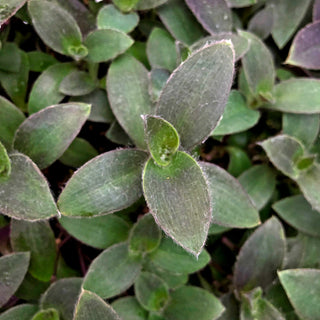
{"x":107,"y":183}
{"x":17,"y":192}
{"x":185,"y":215}
{"x":128,"y":308}
{"x":5,"y":164}
{"x":195,"y":95}
{"x":21,"y":312}
{"x":46,"y":135}
{"x":10,"y":58}
{"x":40,"y":61}
{"x":112,"y":272}
{"x":262,"y":22}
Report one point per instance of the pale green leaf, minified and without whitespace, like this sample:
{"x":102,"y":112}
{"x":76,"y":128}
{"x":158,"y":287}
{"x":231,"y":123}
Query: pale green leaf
{"x":158,"y":79}
{"x":21,"y":312}
{"x":48,"y":314}
{"x":128,"y":308}
{"x":241,"y":3}
{"x":5,"y":164}
{"x":117,"y":135}
{"x":125,"y":5}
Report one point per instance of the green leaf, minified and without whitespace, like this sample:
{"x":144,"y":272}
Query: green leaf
{"x":241,"y":3}
{"x":107,"y":183}
{"x":237,"y":116}
{"x":5,"y":164}
{"x":18,"y":191}
{"x":158,"y":79}
{"x":231,"y":311}
{"x":92,"y":307}
{"x":161,"y":50}
{"x":106,"y":44}
{"x":40,"y":61}
{"x":128,"y":308}
{"x":297,"y":212}
{"x":258,"y":65}
{"x":117,"y":135}
{"x":303,"y":289}
{"x":9,"y":8}
{"x":48,"y":82}
{"x":62,"y":295}
{"x":260,"y":257}
{"x":37,"y":238}
{"x":259,"y":182}
{"x":173,"y":258}
{"x":57,"y":28}
{"x":13,"y":268}
{"x":128,"y":92}
{"x":180,"y":22}
{"x":185,"y":215}
{"x":125,"y":5}
{"x":112,"y":272}
{"x":21,"y":312}
{"x":262,"y":22}
{"x":189,"y":303}
{"x":193,"y":87}
{"x":109,"y":17}
{"x":239,"y":161}
{"x":10,"y":119}
{"x":10,"y":58}
{"x":149,"y":4}
{"x":46,"y":135}
{"x":238,"y":213}
{"x":48,"y":314}
{"x":151,"y":291}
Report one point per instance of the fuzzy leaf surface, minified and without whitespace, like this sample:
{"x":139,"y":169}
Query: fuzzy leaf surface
{"x":9,"y":8}
{"x":5,"y":164}
{"x":21,"y":312}
{"x":128,"y":308}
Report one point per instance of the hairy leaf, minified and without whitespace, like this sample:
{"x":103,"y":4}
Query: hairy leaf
{"x":128,"y":308}
{"x":21,"y":312}
{"x":5,"y":164}
{"x":9,"y":8}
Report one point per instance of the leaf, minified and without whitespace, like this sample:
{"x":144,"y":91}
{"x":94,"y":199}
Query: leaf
{"x":92,"y":307}
{"x":10,"y":119}
{"x":109,"y":17}
{"x":117,"y":135}
{"x":149,"y":4}
{"x":13,"y":268}
{"x":238,"y":161}
{"x":48,"y":82}
{"x":241,"y":3}
{"x":127,"y":87}
{"x":200,"y":304}
{"x":106,"y":44}
{"x":284,"y":24}
{"x":259,"y":182}
{"x":40,"y":61}
{"x":151,"y":291}
{"x":193,"y":87}
{"x":305,"y":47}
{"x":37,"y":238}
{"x":173,"y":258}
{"x":21,"y":312}
{"x":128,"y":308}
{"x":17,"y":192}
{"x":260,"y":257}
{"x":316,"y":10}
{"x":57,"y":28}
{"x":214,"y":15}
{"x":107,"y":183}
{"x":158,"y":79}
{"x":238,"y":213}
{"x":48,"y":314}
{"x":161,"y":50}
{"x":5,"y":164}
{"x":258,"y":65}
{"x":112,"y":272}
{"x":125,"y":5}
{"x":237,"y":116}
{"x":46,"y":135}
{"x":297,"y":212}
{"x":262,"y":22}
{"x":9,"y":8}
{"x":62,"y":295}
{"x":185,"y":215}
{"x":180,"y":22}
{"x":303,"y":289}
{"x":10,"y":57}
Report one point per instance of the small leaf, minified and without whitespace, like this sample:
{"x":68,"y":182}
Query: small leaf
{"x":193,"y":86}
{"x":40,"y":61}
{"x":9,"y":8}
{"x":260,"y":257}
{"x":109,"y":17}
{"x":10,"y":58}
{"x":21,"y":312}
{"x":239,"y":161}
{"x":241,"y":3}
{"x":303,"y":289}
{"x":128,"y":308}
{"x":92,"y":307}
{"x":262,"y":22}
{"x":117,"y":135}
{"x":46,"y":135}
{"x":149,"y":4}
{"x":13,"y":268}
{"x":48,"y":314}
{"x":112,"y":272}
{"x":316,"y":10}
{"x":17,"y":192}
{"x":125,"y":5}
{"x":158,"y":79}
{"x":5,"y":164}
{"x":106,"y":44}
{"x":107,"y":183}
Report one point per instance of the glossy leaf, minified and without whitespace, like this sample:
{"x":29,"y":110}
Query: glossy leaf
{"x":46,"y":135}
{"x":107,"y":183}
{"x":9,"y":8}
{"x":260,"y":257}
{"x":238,"y":213}
{"x":241,"y":3}
{"x":112,"y":272}
{"x":203,"y":82}
{"x":128,"y":308}
{"x":21,"y":312}
{"x":40,"y":61}
{"x":10,"y":58}
{"x":48,"y":314}
{"x":5,"y":164}
{"x":262,"y":22}
{"x":18,"y":190}
{"x":13,"y":268}
{"x":149,"y":4}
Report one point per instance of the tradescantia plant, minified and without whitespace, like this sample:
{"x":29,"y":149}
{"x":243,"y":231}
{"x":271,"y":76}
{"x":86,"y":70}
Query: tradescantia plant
{"x":158,"y":161}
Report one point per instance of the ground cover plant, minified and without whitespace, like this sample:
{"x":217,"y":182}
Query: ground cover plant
{"x":159,"y":160}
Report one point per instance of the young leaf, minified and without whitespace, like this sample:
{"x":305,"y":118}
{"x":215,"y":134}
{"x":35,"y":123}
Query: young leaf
{"x":238,"y":213}
{"x":215,"y":15}
{"x":46,"y":135}
{"x":13,"y":268}
{"x":21,"y":312}
{"x":241,"y":3}
{"x":128,"y":308}
{"x":9,"y":8}
{"x":195,"y":95}
{"x":185,"y":216}
{"x":117,"y":135}
{"x":149,"y":4}
{"x":107,"y":183}
{"x":92,"y":307}
{"x":112,"y":272}
{"x":262,"y":22}
{"x":5,"y":165}
{"x":17,"y":192}
{"x":48,"y":314}
{"x":40,"y":61}
{"x":106,"y":44}
{"x":303,"y":289}
{"x":239,"y":161}
{"x":260,"y":257}
{"x":125,"y":5}
{"x":10,"y":58}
